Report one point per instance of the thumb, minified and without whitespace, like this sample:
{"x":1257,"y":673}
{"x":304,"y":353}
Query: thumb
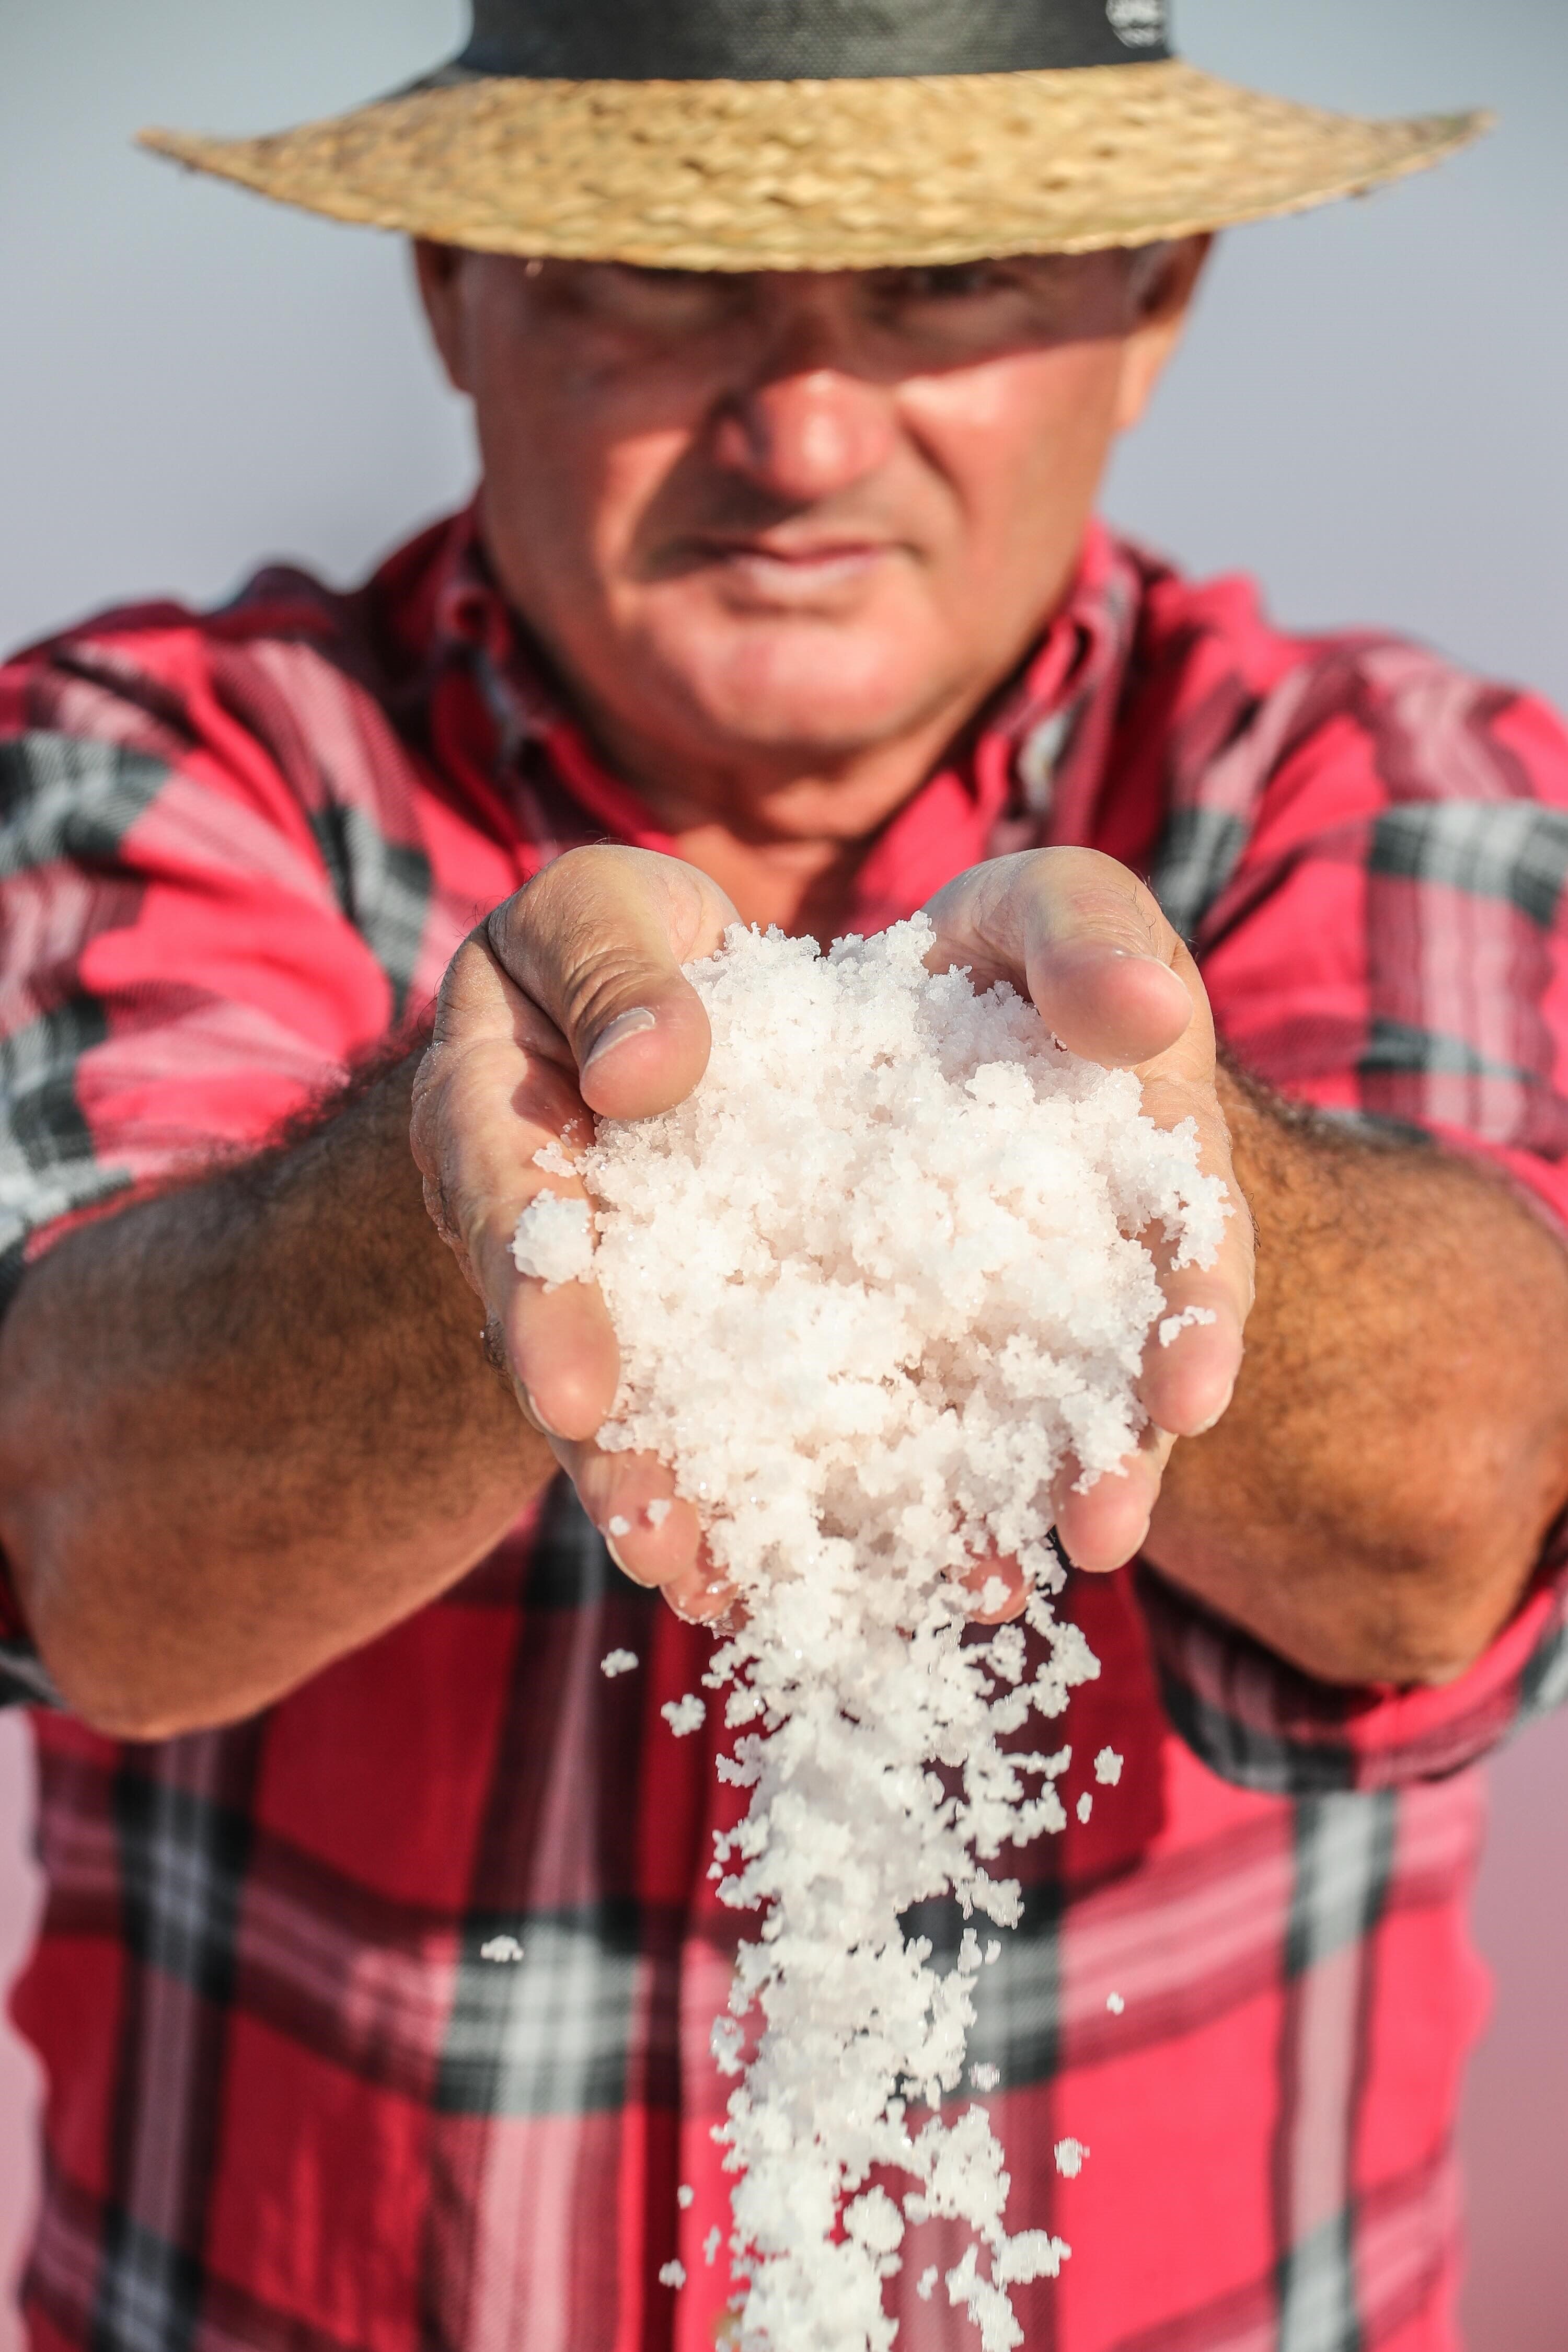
{"x":1083,"y":937}
{"x":596,"y":941}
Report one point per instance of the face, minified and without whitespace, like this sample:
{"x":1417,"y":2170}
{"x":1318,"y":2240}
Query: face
{"x":776,"y":530}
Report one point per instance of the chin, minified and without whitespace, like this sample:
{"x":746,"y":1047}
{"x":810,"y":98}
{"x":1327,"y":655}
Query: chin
{"x":819,"y":691}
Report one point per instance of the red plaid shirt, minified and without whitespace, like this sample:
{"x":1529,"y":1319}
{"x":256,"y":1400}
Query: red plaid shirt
{"x":292,"y":2107}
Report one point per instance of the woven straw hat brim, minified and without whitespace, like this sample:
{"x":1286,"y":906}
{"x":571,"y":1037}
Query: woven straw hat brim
{"x":824,"y":174}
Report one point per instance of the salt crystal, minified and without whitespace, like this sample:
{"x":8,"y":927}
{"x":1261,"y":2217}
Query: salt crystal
{"x":501,"y":1948}
{"x":1108,"y":1767}
{"x":711,"y":2245}
{"x":1069,"y":2154}
{"x":1114,"y":2003}
{"x":1172,"y":1326}
{"x":926,"y":2281}
{"x":685,"y":2195}
{"x":552,"y":1159}
{"x":684,"y":1715}
{"x":658,"y":1510}
{"x":875,"y":1284}
{"x":1085,"y":1806}
{"x":618,"y":1526}
{"x":618,"y":1662}
{"x":672,"y":2274}
{"x":984,"y":2077}
{"x":553,"y":1241}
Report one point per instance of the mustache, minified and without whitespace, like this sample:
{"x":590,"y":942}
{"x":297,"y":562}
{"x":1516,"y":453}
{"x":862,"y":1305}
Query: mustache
{"x":674,"y":544}
{"x":698,"y":512}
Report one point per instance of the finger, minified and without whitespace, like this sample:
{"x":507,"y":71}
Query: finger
{"x":990,"y":1606}
{"x":1080,"y":936}
{"x":596,"y":941}
{"x":561,"y":1345}
{"x":1194,"y":1353}
{"x":488,"y":1095}
{"x":653,"y":1534}
{"x":1107,"y":1525}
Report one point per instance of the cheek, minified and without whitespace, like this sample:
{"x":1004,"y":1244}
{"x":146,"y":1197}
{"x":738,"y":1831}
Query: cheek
{"x":1023,"y":439}
{"x":577,"y":518}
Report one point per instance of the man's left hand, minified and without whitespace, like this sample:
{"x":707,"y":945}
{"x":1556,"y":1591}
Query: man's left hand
{"x":1080,"y":936}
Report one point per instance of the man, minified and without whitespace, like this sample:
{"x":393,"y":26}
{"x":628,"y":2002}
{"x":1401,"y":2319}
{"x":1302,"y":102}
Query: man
{"x":781,"y":594}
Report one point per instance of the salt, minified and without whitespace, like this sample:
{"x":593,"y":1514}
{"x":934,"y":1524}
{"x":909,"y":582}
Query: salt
{"x":1085,"y":1806}
{"x":1070,"y":2155}
{"x":685,"y":1716}
{"x":501,"y":1948}
{"x":658,"y":1510}
{"x":555,"y":1240}
{"x":1108,"y":1767}
{"x":1172,"y":1325}
{"x":1114,"y":2003}
{"x":618,"y":1662}
{"x":685,"y":2195}
{"x":876,"y":1284}
{"x":672,"y":2274}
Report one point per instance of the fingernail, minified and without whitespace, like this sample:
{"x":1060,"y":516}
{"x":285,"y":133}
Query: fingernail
{"x":615,"y":1551}
{"x":623,"y":1026}
{"x":1214,"y":1418}
{"x":530,"y":1411}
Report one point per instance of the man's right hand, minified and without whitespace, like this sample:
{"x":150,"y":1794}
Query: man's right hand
{"x":569,"y":1001}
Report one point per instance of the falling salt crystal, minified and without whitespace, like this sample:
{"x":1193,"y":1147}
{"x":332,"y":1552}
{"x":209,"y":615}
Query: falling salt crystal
{"x":684,"y":1715}
{"x":1114,"y":2003}
{"x":711,"y":2245}
{"x":553,"y":1241}
{"x":619,"y":1526}
{"x":672,"y":2274}
{"x":685,"y":2195}
{"x":501,"y":1948}
{"x":1108,"y":1767}
{"x":927,"y":2280}
{"x":1085,"y":1806}
{"x":992,"y":1952}
{"x":658,"y":1510}
{"x":1172,"y":1326}
{"x":1069,"y":2154}
{"x":727,"y":2041}
{"x":552,"y":1159}
{"x":868,"y":1358}
{"x":984,"y":2077}
{"x":618,"y":1662}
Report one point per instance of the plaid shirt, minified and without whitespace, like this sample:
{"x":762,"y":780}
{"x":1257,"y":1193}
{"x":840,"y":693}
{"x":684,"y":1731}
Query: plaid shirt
{"x":292,"y":2107}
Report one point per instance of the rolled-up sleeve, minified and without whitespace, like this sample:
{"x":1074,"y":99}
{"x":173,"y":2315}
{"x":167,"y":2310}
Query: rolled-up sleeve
{"x":1258,"y":1721}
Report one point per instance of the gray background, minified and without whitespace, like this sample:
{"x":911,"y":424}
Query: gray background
{"x":1369,"y":415}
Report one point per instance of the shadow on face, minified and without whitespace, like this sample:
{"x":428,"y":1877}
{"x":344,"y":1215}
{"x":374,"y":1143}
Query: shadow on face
{"x":792,"y":517}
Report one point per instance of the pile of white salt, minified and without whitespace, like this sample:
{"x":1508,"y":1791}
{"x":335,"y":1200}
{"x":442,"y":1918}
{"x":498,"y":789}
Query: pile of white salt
{"x":876,"y":1285}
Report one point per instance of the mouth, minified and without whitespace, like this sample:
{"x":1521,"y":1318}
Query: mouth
{"x":789,"y":571}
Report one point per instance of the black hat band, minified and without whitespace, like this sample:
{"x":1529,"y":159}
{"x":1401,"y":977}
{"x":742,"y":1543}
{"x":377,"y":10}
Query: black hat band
{"x":793,"y":40}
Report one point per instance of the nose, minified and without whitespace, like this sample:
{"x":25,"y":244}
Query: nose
{"x":806,"y":425}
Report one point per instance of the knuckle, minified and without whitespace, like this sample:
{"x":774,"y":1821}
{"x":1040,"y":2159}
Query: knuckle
{"x":599,"y":982}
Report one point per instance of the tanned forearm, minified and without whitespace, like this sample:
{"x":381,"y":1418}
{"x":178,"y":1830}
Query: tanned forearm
{"x":246,"y":1426}
{"x":1371,"y":1505}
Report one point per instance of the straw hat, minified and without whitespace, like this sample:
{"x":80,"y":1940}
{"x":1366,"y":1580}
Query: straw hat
{"x":819,"y":134}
